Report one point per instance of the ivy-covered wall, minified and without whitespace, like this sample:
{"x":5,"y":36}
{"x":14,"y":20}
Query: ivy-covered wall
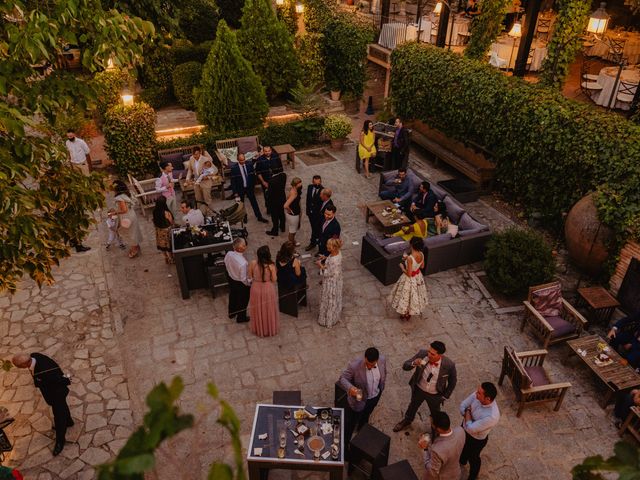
{"x":550,"y":150}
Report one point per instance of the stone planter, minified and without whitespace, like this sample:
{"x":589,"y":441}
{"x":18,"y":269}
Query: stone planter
{"x":337,"y":143}
{"x":335,"y":95}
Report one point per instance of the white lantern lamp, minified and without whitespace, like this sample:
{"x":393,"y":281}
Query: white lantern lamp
{"x":127,"y":98}
{"x":438,"y":8}
{"x":299,"y":7}
{"x":599,"y":20}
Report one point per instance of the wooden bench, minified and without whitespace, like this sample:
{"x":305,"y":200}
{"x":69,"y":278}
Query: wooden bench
{"x":529,"y":379}
{"x":253,"y":140}
{"x":468,"y":160}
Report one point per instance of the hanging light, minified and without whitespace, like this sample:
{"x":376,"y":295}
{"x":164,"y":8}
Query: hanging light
{"x":599,"y":20}
{"x":299,"y":7}
{"x":438,"y":8}
{"x":127,"y":98}
{"x":516,"y":30}
{"x":279,"y":2}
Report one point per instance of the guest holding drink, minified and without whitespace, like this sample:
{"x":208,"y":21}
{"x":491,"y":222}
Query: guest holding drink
{"x":263,"y":301}
{"x":409,"y":294}
{"x":441,"y":455}
{"x":163,"y":221}
{"x":331,"y":295}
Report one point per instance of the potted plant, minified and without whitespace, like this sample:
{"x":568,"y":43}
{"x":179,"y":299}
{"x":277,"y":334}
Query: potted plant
{"x":337,"y":126}
{"x":334,"y":90}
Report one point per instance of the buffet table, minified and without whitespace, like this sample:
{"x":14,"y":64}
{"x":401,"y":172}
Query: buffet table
{"x":189,"y":247}
{"x":284,"y":437}
{"x":607,"y":79}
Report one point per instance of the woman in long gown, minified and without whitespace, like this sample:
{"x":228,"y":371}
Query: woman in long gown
{"x":366,"y":146}
{"x":331,"y":296}
{"x":409,"y":294}
{"x":263,"y":300}
{"x":128,"y":217}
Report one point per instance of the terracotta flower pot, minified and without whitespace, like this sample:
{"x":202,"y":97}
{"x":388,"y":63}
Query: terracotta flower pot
{"x":335,"y":95}
{"x":337,"y":143}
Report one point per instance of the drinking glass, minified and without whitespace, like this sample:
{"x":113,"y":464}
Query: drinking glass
{"x":283,"y":438}
{"x":301,"y":443}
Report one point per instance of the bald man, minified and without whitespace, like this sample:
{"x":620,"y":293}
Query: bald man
{"x":48,"y":377}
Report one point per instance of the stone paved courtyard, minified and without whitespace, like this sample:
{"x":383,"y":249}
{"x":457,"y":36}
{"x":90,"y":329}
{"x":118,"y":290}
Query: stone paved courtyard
{"x":119,"y":326}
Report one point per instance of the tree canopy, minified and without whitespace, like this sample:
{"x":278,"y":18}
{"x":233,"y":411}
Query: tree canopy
{"x":44,"y":202}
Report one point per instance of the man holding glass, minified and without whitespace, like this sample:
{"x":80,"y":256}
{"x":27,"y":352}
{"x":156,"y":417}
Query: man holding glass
{"x":363,"y":380}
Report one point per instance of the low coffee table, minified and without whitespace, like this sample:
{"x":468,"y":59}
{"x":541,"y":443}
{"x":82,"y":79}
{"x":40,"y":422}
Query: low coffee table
{"x":391,"y":222}
{"x":599,"y":302}
{"x":615,"y":376}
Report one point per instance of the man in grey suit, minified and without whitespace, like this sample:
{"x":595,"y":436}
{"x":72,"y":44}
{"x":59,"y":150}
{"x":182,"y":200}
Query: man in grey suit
{"x":441,"y":457}
{"x":433,"y":381}
{"x":363,"y":380}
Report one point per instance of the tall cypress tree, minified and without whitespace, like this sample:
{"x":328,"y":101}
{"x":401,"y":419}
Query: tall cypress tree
{"x":230,"y":97}
{"x":267,"y":44}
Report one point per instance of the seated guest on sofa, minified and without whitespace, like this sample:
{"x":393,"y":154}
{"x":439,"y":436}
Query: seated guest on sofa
{"x":628,"y":342}
{"x":290,"y":273}
{"x":441,"y":219}
{"x":398,"y":189}
{"x":424,"y":201}
{"x":417,"y":229}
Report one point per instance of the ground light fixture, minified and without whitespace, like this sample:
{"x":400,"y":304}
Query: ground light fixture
{"x":127,"y":99}
{"x":299,"y":8}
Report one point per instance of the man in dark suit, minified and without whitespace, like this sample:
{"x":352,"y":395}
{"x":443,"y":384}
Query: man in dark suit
{"x":54,"y":387}
{"x":276,"y":200}
{"x":423,"y":201}
{"x":400,"y":145}
{"x":433,"y":381}
{"x":267,"y":165}
{"x":363,"y":380}
{"x":243,"y":180}
{"x":312,"y":207}
{"x":325,"y":201}
{"x":330,"y":228}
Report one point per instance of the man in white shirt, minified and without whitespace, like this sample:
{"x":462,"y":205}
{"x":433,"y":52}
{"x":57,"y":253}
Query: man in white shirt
{"x":363,"y":380}
{"x":481,"y":414}
{"x":236,"y":265}
{"x":193,"y":217}
{"x":202,"y":189}
{"x":78,"y":152}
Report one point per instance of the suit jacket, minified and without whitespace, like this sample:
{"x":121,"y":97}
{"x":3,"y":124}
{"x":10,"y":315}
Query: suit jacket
{"x":268,"y":166}
{"x":49,"y":379}
{"x":402,"y":140}
{"x":447,"y":377}
{"x":193,"y":173}
{"x":355,"y":375}
{"x":237,"y":186}
{"x":400,"y":190}
{"x":313,"y":202}
{"x":277,"y":195}
{"x":442,"y":458}
{"x":427,"y":203}
{"x":332,"y":231}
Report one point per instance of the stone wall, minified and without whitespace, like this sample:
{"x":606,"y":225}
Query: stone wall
{"x":630,"y":250}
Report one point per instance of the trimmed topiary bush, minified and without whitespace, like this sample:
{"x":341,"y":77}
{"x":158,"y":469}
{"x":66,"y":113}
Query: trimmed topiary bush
{"x":309,"y":51}
{"x":155,"y":75}
{"x":198,"y":20}
{"x":184,"y":51}
{"x":130,"y":138}
{"x":517,"y":259}
{"x":186,"y":77}
{"x":109,"y":85}
{"x":230,"y":96}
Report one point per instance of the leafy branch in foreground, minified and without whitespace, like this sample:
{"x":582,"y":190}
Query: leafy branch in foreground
{"x":625,"y":462}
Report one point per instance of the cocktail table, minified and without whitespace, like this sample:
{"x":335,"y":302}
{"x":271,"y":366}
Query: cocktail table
{"x":289,"y":151}
{"x":390,"y":222}
{"x":616,"y":376}
{"x":599,"y":302}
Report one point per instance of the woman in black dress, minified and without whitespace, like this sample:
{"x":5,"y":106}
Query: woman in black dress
{"x":292,"y":209}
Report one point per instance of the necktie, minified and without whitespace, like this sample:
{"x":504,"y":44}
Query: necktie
{"x":244,"y":175}
{"x":324,"y":225}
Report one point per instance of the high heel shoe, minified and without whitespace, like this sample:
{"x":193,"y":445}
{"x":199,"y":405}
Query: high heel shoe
{"x":134,"y":252}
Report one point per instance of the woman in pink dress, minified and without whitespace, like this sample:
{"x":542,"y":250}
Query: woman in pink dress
{"x":263,"y":303}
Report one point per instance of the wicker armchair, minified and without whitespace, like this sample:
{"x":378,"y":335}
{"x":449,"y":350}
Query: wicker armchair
{"x":551,"y":317}
{"x":529,"y":379}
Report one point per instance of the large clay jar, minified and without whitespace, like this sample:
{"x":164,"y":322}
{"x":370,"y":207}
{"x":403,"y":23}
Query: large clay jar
{"x":586,"y":237}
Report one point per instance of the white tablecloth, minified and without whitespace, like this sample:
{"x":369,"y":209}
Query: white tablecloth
{"x":460,"y":25}
{"x":631,"y":47}
{"x":505,"y":46}
{"x":607,"y":78}
{"x":394,"y":34}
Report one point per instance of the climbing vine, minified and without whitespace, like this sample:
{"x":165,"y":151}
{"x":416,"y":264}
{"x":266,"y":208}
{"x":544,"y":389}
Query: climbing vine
{"x":486,"y":28}
{"x":565,"y":42}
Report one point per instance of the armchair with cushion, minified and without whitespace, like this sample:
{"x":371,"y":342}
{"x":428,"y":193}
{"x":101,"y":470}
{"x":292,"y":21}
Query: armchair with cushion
{"x":529,"y":379}
{"x":551,"y":317}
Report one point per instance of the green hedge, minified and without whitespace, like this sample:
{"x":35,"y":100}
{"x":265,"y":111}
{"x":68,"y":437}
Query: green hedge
{"x":301,"y":133}
{"x":186,"y":77}
{"x":550,"y":151}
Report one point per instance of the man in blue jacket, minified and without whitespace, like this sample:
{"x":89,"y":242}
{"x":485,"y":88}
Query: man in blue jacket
{"x":243,"y":181}
{"x":398,"y":189}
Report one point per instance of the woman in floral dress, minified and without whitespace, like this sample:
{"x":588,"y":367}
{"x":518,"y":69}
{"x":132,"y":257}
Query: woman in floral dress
{"x":331,"y":296}
{"x":409,"y":294}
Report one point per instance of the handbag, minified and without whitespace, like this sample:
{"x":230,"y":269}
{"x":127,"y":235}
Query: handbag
{"x":125,"y":223}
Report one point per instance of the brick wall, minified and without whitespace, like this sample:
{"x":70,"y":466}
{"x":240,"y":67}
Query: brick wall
{"x":630,"y":250}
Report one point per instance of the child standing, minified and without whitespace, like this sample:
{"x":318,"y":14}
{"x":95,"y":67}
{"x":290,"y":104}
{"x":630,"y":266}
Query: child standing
{"x":113,"y":223}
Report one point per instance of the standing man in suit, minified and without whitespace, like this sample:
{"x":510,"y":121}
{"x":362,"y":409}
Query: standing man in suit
{"x":433,"y":381}
{"x":267,"y":165}
{"x":329,"y":229}
{"x":423,"y":201}
{"x":363,"y":380}
{"x":54,"y":387}
{"x":243,"y":181}
{"x":276,"y":200}
{"x":325,"y":201}
{"x":202,"y":189}
{"x":312,"y":207}
{"x":442,"y":455}
{"x":400,"y":145}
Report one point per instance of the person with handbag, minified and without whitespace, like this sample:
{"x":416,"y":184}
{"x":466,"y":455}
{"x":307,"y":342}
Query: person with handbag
{"x":128,"y":218}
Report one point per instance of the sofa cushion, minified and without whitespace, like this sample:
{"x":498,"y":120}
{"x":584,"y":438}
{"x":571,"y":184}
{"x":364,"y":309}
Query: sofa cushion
{"x":537,"y":375}
{"x":174,"y":159}
{"x":439,"y":191}
{"x":548,"y":301}
{"x":454,"y":211}
{"x":396,"y":247}
{"x":437,"y":240}
{"x":468,"y":223}
{"x":247,"y":144}
{"x":230,"y":153}
{"x":468,"y":233}
{"x":561,"y":327}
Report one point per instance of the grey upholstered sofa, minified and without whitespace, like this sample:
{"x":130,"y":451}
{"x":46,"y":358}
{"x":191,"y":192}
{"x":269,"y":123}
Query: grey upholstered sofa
{"x":382,"y":256}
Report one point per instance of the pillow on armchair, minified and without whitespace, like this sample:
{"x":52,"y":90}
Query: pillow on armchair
{"x":247,"y":144}
{"x":231,"y":154}
{"x":548,"y":301}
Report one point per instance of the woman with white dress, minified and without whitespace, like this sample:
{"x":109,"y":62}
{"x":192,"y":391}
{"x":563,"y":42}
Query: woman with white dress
{"x":292,"y":209}
{"x":128,"y":218}
{"x":331,"y":296}
{"x":409,"y":294}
